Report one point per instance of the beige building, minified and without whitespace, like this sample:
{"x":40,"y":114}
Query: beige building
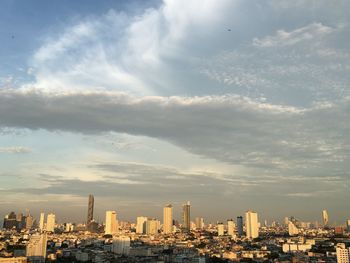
{"x":51,"y":222}
{"x":251,"y":224}
{"x":168,"y":219}
{"x":36,"y":248}
{"x":111,"y":223}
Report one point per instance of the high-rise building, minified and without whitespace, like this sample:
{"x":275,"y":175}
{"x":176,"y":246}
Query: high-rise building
{"x":111,"y":223}
{"x":168,"y":219}
{"x":121,"y":245}
{"x":251,"y":224}
{"x":240,"y":225}
{"x":141,"y":225}
{"x":10,"y":221}
{"x":325,"y":217}
{"x":199,"y":222}
{"x":231,"y":227}
{"x":292,"y":229}
{"x":348,"y":225}
{"x":42,"y":221}
{"x":50,"y":222}
{"x":152,"y":226}
{"x":90,"y":215}
{"x":186,"y":216}
{"x":29,"y":221}
{"x":342,"y":253}
{"x":36,"y":248}
{"x":221,"y":229}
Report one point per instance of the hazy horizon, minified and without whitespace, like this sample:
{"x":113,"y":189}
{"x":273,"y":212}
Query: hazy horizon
{"x":230,"y":104}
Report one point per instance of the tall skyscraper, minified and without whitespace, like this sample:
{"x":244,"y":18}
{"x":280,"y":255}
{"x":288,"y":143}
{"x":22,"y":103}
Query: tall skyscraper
{"x":325,"y":217}
{"x":231,"y":227}
{"x":186,"y":216}
{"x":342,"y":253}
{"x":36,"y":248}
{"x":90,"y":215}
{"x":348,"y":225}
{"x":292,"y":229}
{"x":42,"y":221}
{"x":50,"y":223}
{"x":240,"y":225}
{"x":111,"y":223}
{"x":29,"y":221}
{"x":141,"y":225}
{"x":168,"y":219}
{"x":121,"y":245}
{"x":251,"y":224}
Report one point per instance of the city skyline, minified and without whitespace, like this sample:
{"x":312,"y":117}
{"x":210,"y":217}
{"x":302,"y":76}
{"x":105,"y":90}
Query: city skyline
{"x":230,"y":104}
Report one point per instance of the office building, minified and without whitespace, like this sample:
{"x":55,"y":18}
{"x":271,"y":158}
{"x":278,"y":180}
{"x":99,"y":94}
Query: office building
{"x":111,"y":223}
{"x":168,"y":219}
{"x":29,"y":222}
{"x":152,"y":226}
{"x":42,"y":221}
{"x":292,"y":229}
{"x":141,"y":225}
{"x":251,"y":224}
{"x":240,"y":225}
{"x":36,"y":248}
{"x":186,"y":216}
{"x":199,"y":222}
{"x":50,"y":222}
{"x":90,"y":215}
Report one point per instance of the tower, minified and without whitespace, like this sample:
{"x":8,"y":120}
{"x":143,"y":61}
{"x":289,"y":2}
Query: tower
{"x":325,"y":217}
{"x":240,"y":225}
{"x":251,"y":224}
{"x":90,"y":215}
{"x":36,"y":248}
{"x":42,"y":221}
{"x":168,"y":219}
{"x":231,"y":228}
{"x":141,"y":225}
{"x":186,"y":216}
{"x":50,"y":223}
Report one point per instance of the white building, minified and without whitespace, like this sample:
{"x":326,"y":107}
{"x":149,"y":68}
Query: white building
{"x":121,"y":245}
{"x":36,"y":248}
{"x":141,"y":225}
{"x":168,"y":219}
{"x":51,"y":222}
{"x":342,"y":253}
{"x":111,"y":223}
{"x":292,"y":229}
{"x":231,"y":228}
{"x":152,"y":226}
{"x":42,"y":221}
{"x":221,"y":229}
{"x":251,"y":224}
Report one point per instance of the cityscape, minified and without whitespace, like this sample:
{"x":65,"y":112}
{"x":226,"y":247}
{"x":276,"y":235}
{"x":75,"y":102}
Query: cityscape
{"x":189,"y":239}
{"x":174,"y":131}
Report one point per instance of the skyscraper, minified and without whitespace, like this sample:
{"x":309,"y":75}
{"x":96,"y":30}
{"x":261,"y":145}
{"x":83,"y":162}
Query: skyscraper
{"x":111,"y":223}
{"x":342,"y":253}
{"x":251,"y":224}
{"x":168,"y":219}
{"x":121,"y":245}
{"x":152,"y":226}
{"x":199,"y":222}
{"x":325,"y":217}
{"x":50,"y":223}
{"x":231,"y":227}
{"x":292,"y":229}
{"x":36,"y":248}
{"x":141,"y":225}
{"x":42,"y":221}
{"x":221,"y":229}
{"x":240,"y":225}
{"x":186,"y":216}
{"x":90,"y":215}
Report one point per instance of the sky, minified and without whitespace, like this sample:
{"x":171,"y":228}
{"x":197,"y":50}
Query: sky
{"x":230,"y":104}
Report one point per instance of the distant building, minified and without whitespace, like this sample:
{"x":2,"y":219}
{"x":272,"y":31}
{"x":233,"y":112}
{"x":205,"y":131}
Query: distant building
{"x":152,"y":226}
{"x":50,"y":222}
{"x":292,"y":229}
{"x":199,"y":222}
{"x":10,"y":221}
{"x":29,"y":221}
{"x":111,"y":223}
{"x":168,"y":219}
{"x":342,"y":253}
{"x":14,"y":260}
{"x":36,"y":248}
{"x":221,"y":229}
{"x":141,"y":225}
{"x":231,"y":227}
{"x":240,"y":225}
{"x":251,"y":224}
{"x":90,"y":215}
{"x":42,"y":221}
{"x":325,"y":217}
{"x":186,"y":216}
{"x":348,"y":225}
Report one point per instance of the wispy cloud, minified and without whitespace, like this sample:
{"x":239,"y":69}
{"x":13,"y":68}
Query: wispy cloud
{"x":15,"y":150}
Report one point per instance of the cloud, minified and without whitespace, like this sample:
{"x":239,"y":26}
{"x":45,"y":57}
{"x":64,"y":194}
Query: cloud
{"x":15,"y":150}
{"x":231,"y":129}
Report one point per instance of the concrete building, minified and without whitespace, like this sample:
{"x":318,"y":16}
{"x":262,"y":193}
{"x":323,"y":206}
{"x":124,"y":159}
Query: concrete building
{"x":221,"y":229}
{"x":51,"y":222}
{"x":36,"y":248}
{"x":292,"y":229}
{"x":342,"y":253}
{"x":152,"y":226}
{"x":121,"y":245}
{"x":168,"y":219}
{"x":251,"y":224}
{"x":186,"y":216}
{"x":240,"y":225}
{"x":42,"y":221}
{"x":141,"y":225}
{"x":231,"y":227}
{"x":111,"y":223}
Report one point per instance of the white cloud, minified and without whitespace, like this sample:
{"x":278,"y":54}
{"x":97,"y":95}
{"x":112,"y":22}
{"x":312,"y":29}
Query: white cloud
{"x":15,"y":150}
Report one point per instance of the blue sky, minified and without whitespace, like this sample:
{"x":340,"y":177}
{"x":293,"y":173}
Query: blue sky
{"x":229,"y":104}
